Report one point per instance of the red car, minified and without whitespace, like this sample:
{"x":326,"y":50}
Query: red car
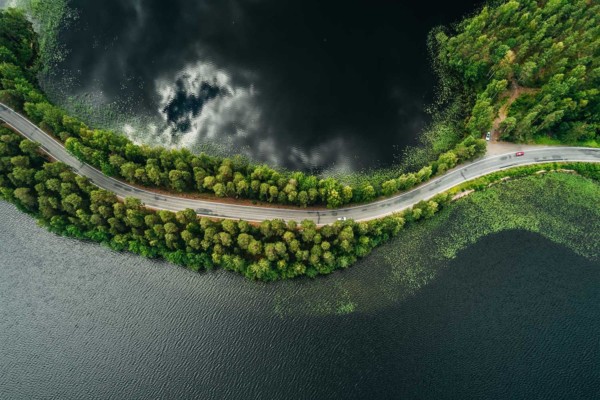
{"x":520,"y":153}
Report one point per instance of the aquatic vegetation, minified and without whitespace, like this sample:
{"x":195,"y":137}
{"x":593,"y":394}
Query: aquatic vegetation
{"x":49,"y":17}
{"x":560,"y":206}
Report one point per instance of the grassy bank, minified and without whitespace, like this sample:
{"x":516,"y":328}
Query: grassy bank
{"x":549,"y":141}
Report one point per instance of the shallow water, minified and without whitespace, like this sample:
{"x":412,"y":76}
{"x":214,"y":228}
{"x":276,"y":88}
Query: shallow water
{"x":514,"y":316}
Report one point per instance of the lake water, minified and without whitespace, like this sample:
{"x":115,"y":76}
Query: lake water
{"x":303,"y":84}
{"x":514,"y":316}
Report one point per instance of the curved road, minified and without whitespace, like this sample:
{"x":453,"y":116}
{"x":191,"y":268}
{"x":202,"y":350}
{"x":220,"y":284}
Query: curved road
{"x":373,"y":210}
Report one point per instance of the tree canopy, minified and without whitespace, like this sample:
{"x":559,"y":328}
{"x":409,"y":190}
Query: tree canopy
{"x":540,"y":60}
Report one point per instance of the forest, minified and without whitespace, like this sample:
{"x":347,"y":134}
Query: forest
{"x":531,"y":68}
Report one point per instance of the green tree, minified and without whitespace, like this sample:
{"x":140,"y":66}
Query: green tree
{"x":25,"y":198}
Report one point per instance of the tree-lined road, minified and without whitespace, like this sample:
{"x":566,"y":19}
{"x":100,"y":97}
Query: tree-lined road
{"x":369,"y":211}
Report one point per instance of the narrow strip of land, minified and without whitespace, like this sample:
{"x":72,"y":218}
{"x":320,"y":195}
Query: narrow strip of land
{"x":369,"y":211}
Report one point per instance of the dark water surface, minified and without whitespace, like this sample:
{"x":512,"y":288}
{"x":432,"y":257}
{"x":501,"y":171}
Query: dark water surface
{"x":514,"y":316}
{"x":302,"y":84}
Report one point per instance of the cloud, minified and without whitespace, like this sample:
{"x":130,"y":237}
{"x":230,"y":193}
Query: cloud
{"x":200,"y":104}
{"x":208,"y":103}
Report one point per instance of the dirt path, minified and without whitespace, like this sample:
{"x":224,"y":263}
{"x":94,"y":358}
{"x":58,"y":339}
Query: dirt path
{"x":514,"y":92}
{"x":495,"y":148}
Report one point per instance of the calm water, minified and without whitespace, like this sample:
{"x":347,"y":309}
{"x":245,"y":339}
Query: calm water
{"x":514,"y":316}
{"x":302,"y":84}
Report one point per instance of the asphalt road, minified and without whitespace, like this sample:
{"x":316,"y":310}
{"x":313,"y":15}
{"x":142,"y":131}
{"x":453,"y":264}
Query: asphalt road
{"x":255,"y":213}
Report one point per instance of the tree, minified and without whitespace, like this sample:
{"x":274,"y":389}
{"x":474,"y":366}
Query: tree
{"x":407,"y":181}
{"x":430,"y":209}
{"x":273,"y":193}
{"x":302,"y":199}
{"x":242,"y":188}
{"x":179,"y":180}
{"x":244,"y":240}
{"x":265,"y":229}
{"x":230,"y":226}
{"x":447,"y":161}
{"x":25,"y":198}
{"x":254,"y":247}
{"x":128,"y":171}
{"x":368,"y":193}
{"x":389,"y":187}
{"x":482,"y":116}
{"x":22,"y":176}
{"x":347,"y":194}
{"x":308,"y":231}
{"x":220,"y":190}
{"x":424,"y":174}
{"x":29,"y":147}
{"x":508,"y":125}
{"x":527,"y":73}
{"x":334,"y":199}
{"x":209,"y":182}
{"x":261,"y":270}
{"x":186,"y":217}
{"x":417,"y":213}
{"x":20,"y":161}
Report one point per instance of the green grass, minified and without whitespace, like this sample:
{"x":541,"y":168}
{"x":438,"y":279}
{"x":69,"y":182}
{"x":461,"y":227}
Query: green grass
{"x":563,"y":208}
{"x":548,"y":141}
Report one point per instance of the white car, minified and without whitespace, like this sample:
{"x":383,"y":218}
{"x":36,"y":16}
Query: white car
{"x":488,"y":136}
{"x":342,"y":219}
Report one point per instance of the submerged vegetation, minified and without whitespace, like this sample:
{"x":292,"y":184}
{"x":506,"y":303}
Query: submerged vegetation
{"x":561,"y":207}
{"x":528,"y":203}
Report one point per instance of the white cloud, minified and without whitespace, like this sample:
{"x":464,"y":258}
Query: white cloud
{"x":233,"y":121}
{"x":233,"y":113}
